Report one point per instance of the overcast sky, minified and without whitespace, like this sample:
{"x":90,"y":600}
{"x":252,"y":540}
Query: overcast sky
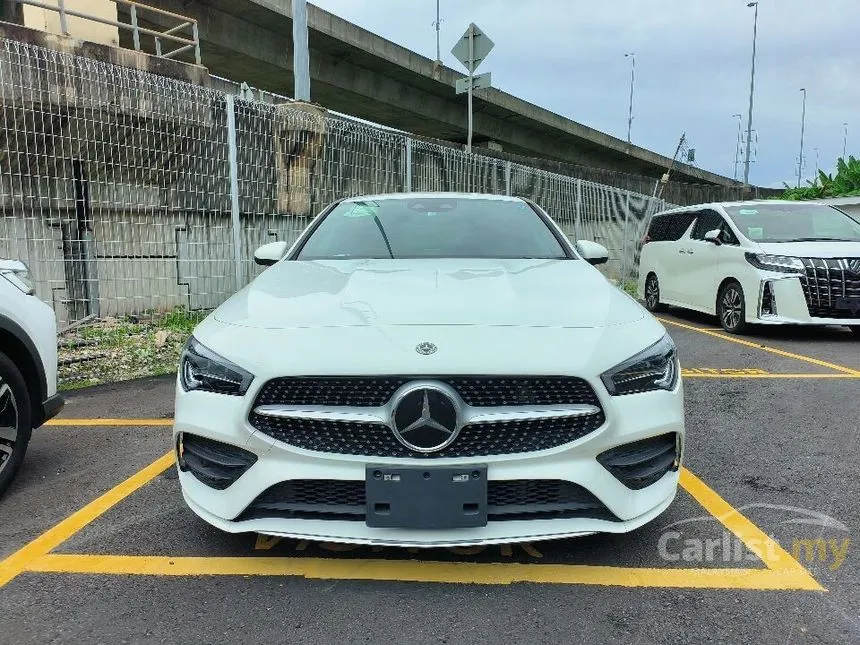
{"x":692,"y":68}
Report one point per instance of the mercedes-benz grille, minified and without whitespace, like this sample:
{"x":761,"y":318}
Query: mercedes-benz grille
{"x":510,"y":398}
{"x":826,"y":283}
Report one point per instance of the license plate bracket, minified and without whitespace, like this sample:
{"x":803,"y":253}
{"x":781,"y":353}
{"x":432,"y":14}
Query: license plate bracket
{"x":426,"y":497}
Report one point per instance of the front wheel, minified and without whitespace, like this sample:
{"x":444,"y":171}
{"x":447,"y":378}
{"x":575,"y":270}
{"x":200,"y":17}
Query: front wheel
{"x":15,"y":421}
{"x":731,"y":308}
{"x":856,"y":330}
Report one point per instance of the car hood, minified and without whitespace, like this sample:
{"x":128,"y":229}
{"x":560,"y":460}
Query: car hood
{"x":812,"y":249}
{"x":348,"y":293}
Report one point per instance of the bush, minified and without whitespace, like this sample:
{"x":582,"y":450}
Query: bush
{"x":846,"y":183}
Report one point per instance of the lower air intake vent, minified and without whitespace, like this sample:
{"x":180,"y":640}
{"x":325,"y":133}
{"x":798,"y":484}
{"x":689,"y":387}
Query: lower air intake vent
{"x":642,"y":463}
{"x":520,"y":499}
{"x":215,"y":464}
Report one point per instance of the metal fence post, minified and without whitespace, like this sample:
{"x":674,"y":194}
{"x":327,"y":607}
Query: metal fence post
{"x":577,"y":208}
{"x":232,"y":159}
{"x":508,"y":178}
{"x":196,"y":35}
{"x":134,"y":29}
{"x":625,"y":245}
{"x":63,"y":26}
{"x":407,"y":162}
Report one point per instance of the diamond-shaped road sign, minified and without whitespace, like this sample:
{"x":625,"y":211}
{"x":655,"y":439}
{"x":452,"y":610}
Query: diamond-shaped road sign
{"x":479,"y":82}
{"x":481,"y":47}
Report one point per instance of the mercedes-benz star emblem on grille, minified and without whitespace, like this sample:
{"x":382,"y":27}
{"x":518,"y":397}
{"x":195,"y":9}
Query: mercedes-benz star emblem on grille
{"x":425,"y":348}
{"x":854,"y":266}
{"x":425,"y":419}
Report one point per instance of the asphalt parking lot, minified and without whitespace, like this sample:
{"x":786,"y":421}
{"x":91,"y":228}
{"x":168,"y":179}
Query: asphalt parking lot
{"x":761,"y":544}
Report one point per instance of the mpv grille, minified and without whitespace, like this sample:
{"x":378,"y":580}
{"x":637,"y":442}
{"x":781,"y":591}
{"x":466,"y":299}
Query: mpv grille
{"x":826,"y":283}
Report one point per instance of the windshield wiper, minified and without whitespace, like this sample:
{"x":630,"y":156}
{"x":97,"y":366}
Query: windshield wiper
{"x":384,"y":236}
{"x":821,"y":239}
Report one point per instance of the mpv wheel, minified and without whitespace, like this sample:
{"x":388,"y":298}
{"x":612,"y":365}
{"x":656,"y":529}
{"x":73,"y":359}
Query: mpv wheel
{"x":15,"y":421}
{"x":731,"y":308}
{"x":652,"y":294}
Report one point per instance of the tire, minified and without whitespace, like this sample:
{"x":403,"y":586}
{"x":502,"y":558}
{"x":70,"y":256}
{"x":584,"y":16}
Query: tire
{"x":856,"y":330}
{"x":731,"y":308}
{"x":652,"y":294}
{"x":15,"y":421}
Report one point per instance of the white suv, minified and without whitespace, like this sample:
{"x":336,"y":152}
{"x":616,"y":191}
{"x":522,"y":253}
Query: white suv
{"x":28,"y":366}
{"x":765,"y":262}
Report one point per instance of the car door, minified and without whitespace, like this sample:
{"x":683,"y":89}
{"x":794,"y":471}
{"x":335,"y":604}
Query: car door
{"x":701,"y":272}
{"x":673,"y":258}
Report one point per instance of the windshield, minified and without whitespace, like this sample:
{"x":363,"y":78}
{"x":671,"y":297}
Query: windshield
{"x":794,"y":223}
{"x":432,"y":227}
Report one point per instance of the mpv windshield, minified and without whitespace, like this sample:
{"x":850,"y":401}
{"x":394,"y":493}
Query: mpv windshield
{"x":794,"y":223}
{"x":432,"y":227}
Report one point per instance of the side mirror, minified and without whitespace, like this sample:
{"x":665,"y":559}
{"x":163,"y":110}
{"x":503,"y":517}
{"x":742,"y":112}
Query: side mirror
{"x":592,"y":252}
{"x":713,"y":237}
{"x":270,"y":253}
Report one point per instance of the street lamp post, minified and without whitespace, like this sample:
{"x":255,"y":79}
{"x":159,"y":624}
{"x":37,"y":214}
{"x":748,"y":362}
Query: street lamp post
{"x":438,"y":53}
{"x":752,"y":90}
{"x":844,"y":139}
{"x":632,"y":55}
{"x":739,"y":117}
{"x":802,"y":130}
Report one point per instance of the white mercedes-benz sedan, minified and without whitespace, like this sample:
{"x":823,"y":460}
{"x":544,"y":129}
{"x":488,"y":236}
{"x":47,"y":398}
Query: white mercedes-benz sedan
{"x":429,"y":369}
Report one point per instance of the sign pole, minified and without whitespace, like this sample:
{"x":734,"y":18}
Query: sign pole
{"x":471,"y":79}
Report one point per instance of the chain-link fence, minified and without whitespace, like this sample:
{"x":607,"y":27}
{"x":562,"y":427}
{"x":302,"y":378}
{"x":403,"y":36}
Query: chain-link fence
{"x":128,"y":193}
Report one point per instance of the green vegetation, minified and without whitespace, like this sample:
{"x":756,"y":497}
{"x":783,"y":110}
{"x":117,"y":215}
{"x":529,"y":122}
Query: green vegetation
{"x":630,"y":287}
{"x":846,"y":183}
{"x":117,"y":349}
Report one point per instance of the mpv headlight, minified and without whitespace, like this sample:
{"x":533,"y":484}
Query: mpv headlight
{"x":655,"y":368}
{"x":780,"y":263}
{"x":202,"y":369}
{"x":18,"y":275}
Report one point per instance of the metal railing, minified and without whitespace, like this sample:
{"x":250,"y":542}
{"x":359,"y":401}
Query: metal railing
{"x":137,"y":11}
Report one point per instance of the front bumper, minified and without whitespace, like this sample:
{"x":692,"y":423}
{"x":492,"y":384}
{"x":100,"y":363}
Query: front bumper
{"x":628,"y":419}
{"x":791,"y":306}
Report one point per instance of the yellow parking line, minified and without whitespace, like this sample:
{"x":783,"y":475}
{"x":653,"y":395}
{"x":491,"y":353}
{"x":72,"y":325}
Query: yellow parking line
{"x":492,"y":573}
{"x":776,"y":376}
{"x":782,"y":572}
{"x":765,"y":547}
{"x":109,"y":422}
{"x":764,"y":348}
{"x":55,"y":536}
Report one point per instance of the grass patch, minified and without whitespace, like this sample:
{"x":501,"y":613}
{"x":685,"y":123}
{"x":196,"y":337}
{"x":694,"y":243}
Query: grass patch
{"x":119,"y":349}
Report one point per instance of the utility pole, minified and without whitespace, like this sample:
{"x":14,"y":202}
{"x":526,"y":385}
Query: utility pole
{"x":301,"y":57}
{"x":752,"y":91}
{"x":658,"y":192}
{"x":739,"y":117}
{"x":802,"y":129}
{"x":632,"y":55}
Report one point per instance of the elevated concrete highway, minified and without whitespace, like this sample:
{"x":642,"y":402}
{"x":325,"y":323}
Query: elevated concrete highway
{"x":356,"y":72}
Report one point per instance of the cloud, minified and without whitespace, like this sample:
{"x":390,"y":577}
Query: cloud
{"x":692,"y":67}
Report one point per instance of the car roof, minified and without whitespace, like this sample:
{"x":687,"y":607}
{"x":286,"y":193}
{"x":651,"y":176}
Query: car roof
{"x":419,"y":195}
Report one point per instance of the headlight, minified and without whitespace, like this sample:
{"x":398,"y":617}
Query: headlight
{"x":781,"y":263}
{"x":202,"y":369}
{"x":656,"y":368}
{"x":18,"y":274}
